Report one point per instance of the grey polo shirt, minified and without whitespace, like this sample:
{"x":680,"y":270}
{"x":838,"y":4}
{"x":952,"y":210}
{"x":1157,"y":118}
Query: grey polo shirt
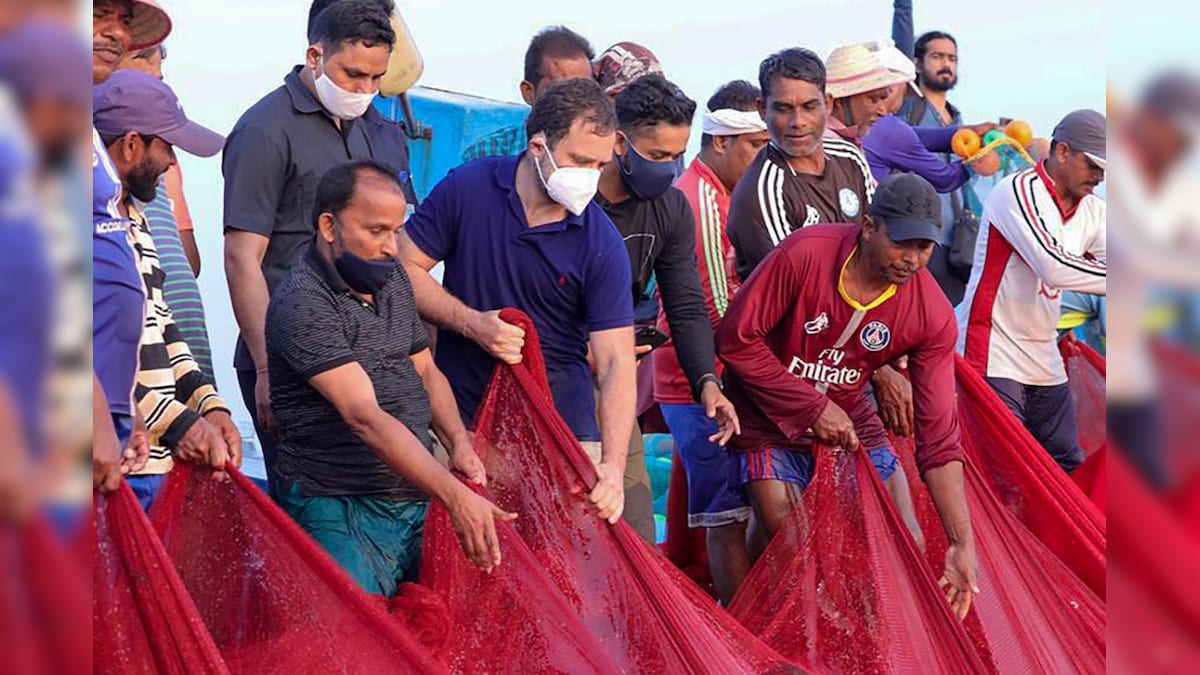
{"x":316,"y":323}
{"x":275,"y":157}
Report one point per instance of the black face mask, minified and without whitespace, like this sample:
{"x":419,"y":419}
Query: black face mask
{"x":365,"y":276}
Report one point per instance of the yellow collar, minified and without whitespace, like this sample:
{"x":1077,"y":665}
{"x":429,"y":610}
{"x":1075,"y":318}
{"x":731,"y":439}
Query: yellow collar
{"x":879,"y":300}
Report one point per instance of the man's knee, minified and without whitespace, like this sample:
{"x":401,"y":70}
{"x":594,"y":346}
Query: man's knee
{"x":773,"y":502}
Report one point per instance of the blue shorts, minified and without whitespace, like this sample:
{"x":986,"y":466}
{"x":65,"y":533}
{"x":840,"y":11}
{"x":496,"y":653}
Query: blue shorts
{"x":796,"y":466}
{"x":712,"y":500}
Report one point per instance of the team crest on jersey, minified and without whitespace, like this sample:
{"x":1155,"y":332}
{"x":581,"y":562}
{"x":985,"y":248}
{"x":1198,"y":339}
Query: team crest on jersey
{"x":848,"y":200}
{"x":875,"y":336}
{"x":811,"y":215}
{"x":818,"y":324}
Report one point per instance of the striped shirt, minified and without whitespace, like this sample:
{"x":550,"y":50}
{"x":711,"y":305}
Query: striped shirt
{"x":772,"y":199}
{"x":714,"y":261}
{"x":180,"y":289}
{"x":1028,"y":252}
{"x":171,"y":391}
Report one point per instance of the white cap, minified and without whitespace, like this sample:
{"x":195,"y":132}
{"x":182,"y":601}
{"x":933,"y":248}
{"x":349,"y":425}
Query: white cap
{"x":896,"y":61}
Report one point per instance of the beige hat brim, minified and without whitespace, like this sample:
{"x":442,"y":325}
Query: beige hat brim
{"x":877,"y":79}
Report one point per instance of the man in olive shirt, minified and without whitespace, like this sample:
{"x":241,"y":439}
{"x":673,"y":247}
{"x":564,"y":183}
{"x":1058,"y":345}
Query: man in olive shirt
{"x":356,"y":392}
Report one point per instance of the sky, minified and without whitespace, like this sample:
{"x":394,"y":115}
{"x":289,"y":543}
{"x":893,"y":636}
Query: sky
{"x":1029,"y":59}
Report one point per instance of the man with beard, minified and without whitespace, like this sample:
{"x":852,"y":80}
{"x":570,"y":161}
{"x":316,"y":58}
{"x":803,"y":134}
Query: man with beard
{"x":117,"y":294}
{"x":140,"y":122}
{"x":936,"y":57}
{"x":1042,"y":232}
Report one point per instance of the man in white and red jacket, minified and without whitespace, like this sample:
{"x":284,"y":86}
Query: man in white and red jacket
{"x":823,"y":311}
{"x":1042,"y":233}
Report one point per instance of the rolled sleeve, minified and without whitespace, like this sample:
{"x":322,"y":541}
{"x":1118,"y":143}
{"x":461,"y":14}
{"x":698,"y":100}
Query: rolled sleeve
{"x":254,"y":164}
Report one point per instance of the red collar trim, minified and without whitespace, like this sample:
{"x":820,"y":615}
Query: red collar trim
{"x":1045,"y":176}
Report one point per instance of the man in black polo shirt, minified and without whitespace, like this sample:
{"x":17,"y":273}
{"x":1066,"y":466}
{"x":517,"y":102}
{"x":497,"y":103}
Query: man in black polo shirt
{"x":273,"y":159}
{"x":356,"y":391}
{"x":657,"y":224}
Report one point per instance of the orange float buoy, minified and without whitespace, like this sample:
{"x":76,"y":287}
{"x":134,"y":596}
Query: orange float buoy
{"x":965,"y":143}
{"x":987,"y":165}
{"x":1020,"y":131}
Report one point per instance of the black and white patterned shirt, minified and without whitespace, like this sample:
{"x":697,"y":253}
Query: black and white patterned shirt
{"x":316,"y":323}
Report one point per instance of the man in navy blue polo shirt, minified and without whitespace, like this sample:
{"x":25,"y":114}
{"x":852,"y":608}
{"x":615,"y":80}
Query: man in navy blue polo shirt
{"x":522,"y":231}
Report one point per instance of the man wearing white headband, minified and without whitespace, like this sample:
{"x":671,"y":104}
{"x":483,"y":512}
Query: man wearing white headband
{"x":733,"y":133}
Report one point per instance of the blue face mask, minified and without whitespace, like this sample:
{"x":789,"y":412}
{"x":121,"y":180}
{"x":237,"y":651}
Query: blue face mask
{"x":365,"y":276}
{"x":646,"y":178}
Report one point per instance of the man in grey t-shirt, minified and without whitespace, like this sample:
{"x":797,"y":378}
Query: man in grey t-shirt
{"x":356,"y":392}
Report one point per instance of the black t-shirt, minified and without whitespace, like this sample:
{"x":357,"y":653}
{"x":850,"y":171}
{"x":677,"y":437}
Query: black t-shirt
{"x":275,"y":157}
{"x":772,"y":200}
{"x":315,"y":323}
{"x":660,"y":235}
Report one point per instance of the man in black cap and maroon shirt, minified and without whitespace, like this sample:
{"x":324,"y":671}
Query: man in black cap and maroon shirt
{"x":829,"y":306}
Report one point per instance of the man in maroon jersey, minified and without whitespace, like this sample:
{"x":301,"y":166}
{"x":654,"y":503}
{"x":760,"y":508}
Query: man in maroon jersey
{"x":823,"y":311}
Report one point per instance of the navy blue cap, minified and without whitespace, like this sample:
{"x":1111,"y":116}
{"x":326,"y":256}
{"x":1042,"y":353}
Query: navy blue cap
{"x":909,"y":207}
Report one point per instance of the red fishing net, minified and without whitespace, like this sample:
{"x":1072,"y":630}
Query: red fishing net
{"x":143,"y":619}
{"x":1086,"y":370}
{"x":646,"y":615}
{"x":272,"y":600}
{"x":1034,"y":614}
{"x":44,"y":625}
{"x":513,"y":620}
{"x":842,"y":587}
{"x":1028,"y":482}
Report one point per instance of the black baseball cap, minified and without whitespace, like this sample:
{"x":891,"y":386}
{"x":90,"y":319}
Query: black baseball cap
{"x":909,"y":206}
{"x":1084,"y":131}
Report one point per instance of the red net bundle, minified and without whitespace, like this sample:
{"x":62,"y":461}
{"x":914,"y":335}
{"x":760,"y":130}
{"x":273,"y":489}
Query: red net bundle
{"x":44,"y":625}
{"x":1034,"y":614}
{"x":647,"y":616}
{"x":272,"y":600}
{"x":512,"y":620}
{"x":1028,"y":482}
{"x":842,"y":588}
{"x":143,"y":619}
{"x":1086,"y":372}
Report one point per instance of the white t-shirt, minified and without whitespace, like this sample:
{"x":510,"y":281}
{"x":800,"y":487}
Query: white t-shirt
{"x":1028,"y":252}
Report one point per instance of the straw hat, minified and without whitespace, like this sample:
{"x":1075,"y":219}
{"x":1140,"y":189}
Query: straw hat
{"x":897,"y":62}
{"x":150,"y":24}
{"x":854,"y":69}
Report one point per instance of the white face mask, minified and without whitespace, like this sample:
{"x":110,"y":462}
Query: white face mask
{"x":345,"y":105}
{"x":572,"y":186}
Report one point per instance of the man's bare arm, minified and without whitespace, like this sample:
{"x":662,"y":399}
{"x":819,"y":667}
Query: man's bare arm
{"x":616,"y":373}
{"x":248,"y":292}
{"x":613,"y":355}
{"x":446,"y":421}
{"x":187,"y":238}
{"x":349,"y":389}
{"x":437,"y":306}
